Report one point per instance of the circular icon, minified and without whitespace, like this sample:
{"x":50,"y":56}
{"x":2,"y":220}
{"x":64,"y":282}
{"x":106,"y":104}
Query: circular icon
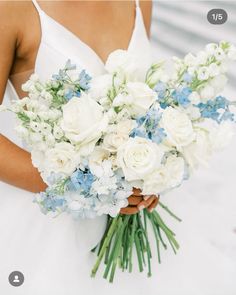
{"x":16,"y":278}
{"x":217,"y":16}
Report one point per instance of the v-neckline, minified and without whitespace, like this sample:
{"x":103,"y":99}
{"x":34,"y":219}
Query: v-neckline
{"x":86,"y":45}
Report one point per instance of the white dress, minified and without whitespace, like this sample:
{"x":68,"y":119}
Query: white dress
{"x":54,"y":254}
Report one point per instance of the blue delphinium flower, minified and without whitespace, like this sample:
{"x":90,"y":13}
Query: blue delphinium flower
{"x":216,"y":109}
{"x":160,"y":89}
{"x":84,"y":80}
{"x":181,"y":96}
{"x":147,"y":127}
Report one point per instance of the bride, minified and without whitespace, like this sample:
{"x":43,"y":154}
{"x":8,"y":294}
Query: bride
{"x":54,"y":254}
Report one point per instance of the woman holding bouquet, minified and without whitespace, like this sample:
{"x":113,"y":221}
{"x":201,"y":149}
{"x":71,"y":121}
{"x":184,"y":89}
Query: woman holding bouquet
{"x":54,"y":254}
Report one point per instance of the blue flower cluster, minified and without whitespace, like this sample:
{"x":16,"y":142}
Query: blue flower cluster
{"x":181,"y":96}
{"x":49,"y":201}
{"x":147,"y":127}
{"x":216,"y":109}
{"x":81,"y":181}
{"x":73,"y":88}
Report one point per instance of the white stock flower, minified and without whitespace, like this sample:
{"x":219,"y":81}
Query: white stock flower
{"x":138,"y":157}
{"x":62,"y":158}
{"x":211,"y":48}
{"x":178,"y":128}
{"x":203,"y":73}
{"x":167,"y":177}
{"x":190,"y":60}
{"x":83,"y":120}
{"x":214,"y":70}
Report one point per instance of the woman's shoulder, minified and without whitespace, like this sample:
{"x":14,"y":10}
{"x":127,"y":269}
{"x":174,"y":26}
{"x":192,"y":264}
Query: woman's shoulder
{"x":15,"y":14}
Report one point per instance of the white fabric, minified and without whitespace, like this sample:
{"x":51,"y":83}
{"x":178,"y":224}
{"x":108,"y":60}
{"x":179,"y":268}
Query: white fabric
{"x":54,"y":254}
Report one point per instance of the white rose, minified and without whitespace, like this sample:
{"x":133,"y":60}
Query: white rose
{"x":199,"y":151}
{"x":178,"y":128}
{"x":127,"y":64}
{"x":62,"y":158}
{"x":167,"y":177}
{"x":138,"y":157}
{"x":218,"y":83}
{"x":83,"y":120}
{"x":100,"y":86}
{"x":143,"y":97}
{"x":113,"y":141}
{"x":139,"y":99}
{"x":207,"y":93}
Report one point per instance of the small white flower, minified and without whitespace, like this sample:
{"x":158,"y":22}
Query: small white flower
{"x":203,"y":73}
{"x":211,"y":48}
{"x":214,"y":70}
{"x":57,"y":132}
{"x":36,"y":126}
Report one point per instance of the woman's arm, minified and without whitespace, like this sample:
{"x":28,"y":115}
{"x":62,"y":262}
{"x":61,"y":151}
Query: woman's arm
{"x":15,"y":163}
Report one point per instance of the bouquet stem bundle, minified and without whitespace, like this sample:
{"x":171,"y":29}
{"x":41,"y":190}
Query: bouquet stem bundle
{"x":125,"y":233}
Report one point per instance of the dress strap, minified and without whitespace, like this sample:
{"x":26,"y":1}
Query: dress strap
{"x":37,"y":6}
{"x":137,"y":3}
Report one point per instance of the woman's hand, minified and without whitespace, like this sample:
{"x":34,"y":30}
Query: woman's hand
{"x":138,"y":202}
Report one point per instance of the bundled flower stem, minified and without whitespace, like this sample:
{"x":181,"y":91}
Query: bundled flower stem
{"x":124,"y":233}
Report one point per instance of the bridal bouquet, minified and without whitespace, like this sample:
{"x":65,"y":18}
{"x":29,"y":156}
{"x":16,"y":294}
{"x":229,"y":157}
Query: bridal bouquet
{"x":95,"y":139}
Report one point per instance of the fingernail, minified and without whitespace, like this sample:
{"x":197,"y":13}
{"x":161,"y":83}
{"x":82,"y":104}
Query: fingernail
{"x":146,"y":198}
{"x":141,"y":207}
